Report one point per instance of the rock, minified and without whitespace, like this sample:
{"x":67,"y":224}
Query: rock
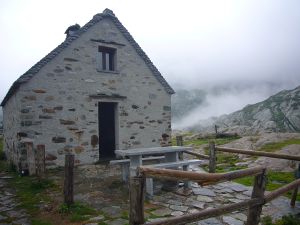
{"x":210,"y":221}
{"x":177,"y":213}
{"x":201,"y":198}
{"x":238,"y":187}
{"x":96,"y":219}
{"x":231,"y":221}
{"x":179,"y":208}
{"x":204,"y":191}
{"x":162,"y":212}
{"x":2,"y":217}
{"x":112,"y":211}
{"x":240,"y":216}
{"x":118,"y":222}
{"x":199,"y":205}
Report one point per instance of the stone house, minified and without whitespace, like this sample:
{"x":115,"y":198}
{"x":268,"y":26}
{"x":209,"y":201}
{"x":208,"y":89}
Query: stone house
{"x":96,"y":92}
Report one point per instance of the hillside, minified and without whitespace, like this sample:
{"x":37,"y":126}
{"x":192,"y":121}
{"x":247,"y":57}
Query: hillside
{"x":279,"y":113}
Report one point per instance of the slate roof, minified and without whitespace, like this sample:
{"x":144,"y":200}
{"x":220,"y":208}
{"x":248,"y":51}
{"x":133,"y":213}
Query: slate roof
{"x":107,"y":13}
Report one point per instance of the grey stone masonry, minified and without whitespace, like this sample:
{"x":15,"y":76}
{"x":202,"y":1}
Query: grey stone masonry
{"x":55,"y":103}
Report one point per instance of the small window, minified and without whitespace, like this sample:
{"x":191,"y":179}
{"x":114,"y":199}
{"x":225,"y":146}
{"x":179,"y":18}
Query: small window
{"x":106,"y":59}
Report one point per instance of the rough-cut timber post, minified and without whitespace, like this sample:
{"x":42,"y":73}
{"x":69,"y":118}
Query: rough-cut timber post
{"x":30,"y":158}
{"x":295,"y":192}
{"x":258,"y":192}
{"x":212,"y":157}
{"x":69,"y":180}
{"x":137,"y":196}
{"x":40,"y":160}
{"x":179,"y":142}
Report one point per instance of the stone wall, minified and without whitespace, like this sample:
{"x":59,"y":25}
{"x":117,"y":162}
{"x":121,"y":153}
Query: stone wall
{"x":58,"y":107}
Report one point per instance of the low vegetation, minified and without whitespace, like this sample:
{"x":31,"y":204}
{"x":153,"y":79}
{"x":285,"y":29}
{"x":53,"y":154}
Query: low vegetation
{"x":285,"y":220}
{"x":276,"y":146}
{"x":34,"y":194}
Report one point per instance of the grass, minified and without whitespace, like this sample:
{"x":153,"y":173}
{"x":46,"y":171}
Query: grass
{"x":40,"y":222}
{"x":285,"y":220}
{"x":77,"y":212}
{"x":203,"y":141}
{"x":30,"y":191}
{"x":275,"y":180}
{"x":276,"y":146}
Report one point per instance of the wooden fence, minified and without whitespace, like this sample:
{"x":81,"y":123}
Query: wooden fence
{"x":254,"y":205}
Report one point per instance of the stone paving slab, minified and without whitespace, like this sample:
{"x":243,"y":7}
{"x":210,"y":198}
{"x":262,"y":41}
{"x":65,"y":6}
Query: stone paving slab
{"x":215,"y":196}
{"x":9,"y":212}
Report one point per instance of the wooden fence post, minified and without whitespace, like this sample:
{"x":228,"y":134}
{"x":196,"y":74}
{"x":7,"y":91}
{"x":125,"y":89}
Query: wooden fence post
{"x":212,"y":157}
{"x":179,"y":142}
{"x":295,"y":192}
{"x":137,"y":196}
{"x":30,"y":158}
{"x":69,"y":180}
{"x":259,"y":187}
{"x":40,"y":161}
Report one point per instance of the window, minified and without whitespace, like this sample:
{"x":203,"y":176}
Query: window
{"x":106,"y":59}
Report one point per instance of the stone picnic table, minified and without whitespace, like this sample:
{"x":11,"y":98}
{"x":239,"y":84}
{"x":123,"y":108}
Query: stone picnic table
{"x":135,"y":155}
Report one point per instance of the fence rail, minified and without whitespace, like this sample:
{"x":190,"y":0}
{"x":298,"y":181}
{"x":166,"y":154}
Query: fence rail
{"x":254,"y":205}
{"x":201,"y":178}
{"x":258,"y":153}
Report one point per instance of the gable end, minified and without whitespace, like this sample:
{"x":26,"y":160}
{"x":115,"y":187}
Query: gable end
{"x":98,"y":17}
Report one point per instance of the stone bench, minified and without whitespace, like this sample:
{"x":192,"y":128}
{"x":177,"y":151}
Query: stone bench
{"x":184,"y":164}
{"x":125,"y":164}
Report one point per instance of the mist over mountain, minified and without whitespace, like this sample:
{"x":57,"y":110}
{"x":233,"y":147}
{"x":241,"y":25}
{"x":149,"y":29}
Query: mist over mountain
{"x":212,"y":101}
{"x":278,"y":113}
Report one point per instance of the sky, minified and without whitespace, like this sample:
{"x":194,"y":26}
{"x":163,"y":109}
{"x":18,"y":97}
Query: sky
{"x":248,"y":46}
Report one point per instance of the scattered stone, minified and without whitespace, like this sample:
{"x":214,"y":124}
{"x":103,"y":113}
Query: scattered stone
{"x":112,"y":211}
{"x":199,"y":205}
{"x":118,"y":222}
{"x":174,"y":202}
{"x":162,"y":212}
{"x":177,"y":213}
{"x":2,"y":217}
{"x":234,"y":200}
{"x":242,"y":197}
{"x":96,"y":219}
{"x":179,"y":208}
{"x":201,"y":198}
{"x":231,"y":221}
{"x":238,"y":187}
{"x":210,"y":221}
{"x":239,"y":216}
{"x":204,"y":191}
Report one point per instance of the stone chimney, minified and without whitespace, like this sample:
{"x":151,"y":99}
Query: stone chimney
{"x":72,"y":30}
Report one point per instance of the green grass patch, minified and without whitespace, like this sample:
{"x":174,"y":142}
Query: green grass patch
{"x":77,"y":212}
{"x":30,"y":191}
{"x":40,"y":222}
{"x":276,"y":146}
{"x":285,"y":220}
{"x":202,"y":141}
{"x":275,"y":180}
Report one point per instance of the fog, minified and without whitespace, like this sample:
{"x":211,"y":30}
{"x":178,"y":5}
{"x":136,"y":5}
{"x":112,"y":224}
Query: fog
{"x":226,"y":99}
{"x":249,"y":49}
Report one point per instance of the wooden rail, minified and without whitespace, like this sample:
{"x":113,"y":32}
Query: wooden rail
{"x":201,"y":156}
{"x":254,"y":205}
{"x":207,"y":213}
{"x":201,"y":178}
{"x":258,"y":153}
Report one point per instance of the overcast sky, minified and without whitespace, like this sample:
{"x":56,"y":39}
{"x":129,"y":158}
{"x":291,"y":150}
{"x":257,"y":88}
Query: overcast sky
{"x":193,"y":43}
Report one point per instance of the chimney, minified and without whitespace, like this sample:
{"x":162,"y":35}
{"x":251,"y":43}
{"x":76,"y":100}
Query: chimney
{"x":72,"y":30}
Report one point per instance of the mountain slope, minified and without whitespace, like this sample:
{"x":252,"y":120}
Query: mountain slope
{"x":280,"y":112}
